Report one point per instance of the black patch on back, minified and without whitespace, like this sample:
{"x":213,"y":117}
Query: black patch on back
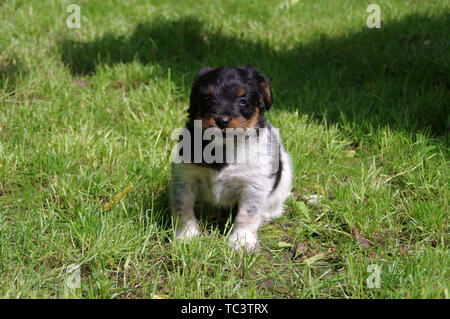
{"x":278,"y":175}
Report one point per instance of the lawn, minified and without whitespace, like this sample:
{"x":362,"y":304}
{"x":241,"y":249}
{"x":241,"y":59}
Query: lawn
{"x":85,"y":113}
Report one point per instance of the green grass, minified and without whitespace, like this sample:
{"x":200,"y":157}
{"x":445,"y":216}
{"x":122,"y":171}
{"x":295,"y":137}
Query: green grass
{"x":86,"y":112}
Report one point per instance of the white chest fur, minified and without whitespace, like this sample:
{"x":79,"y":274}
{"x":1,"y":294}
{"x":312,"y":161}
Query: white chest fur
{"x":221,"y":188}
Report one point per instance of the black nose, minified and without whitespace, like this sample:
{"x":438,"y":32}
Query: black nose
{"x":222,"y":121}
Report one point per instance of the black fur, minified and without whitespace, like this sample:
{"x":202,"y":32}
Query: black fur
{"x":223,"y":82}
{"x":214,"y":94}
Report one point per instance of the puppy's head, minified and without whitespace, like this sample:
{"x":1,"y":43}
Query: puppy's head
{"x":230,"y":97}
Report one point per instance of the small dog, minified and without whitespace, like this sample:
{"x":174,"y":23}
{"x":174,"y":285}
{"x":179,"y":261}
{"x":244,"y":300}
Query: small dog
{"x":223,"y":100}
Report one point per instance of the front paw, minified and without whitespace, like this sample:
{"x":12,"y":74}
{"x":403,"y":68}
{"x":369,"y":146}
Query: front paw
{"x":188,"y":231}
{"x":243,"y":239}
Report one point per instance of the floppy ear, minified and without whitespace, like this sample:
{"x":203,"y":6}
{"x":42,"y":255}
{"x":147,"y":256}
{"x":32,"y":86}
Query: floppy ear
{"x":267,"y":94}
{"x":263,"y":85}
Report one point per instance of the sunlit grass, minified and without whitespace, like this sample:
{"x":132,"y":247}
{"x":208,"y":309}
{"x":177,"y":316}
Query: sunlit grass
{"x":85,"y":113}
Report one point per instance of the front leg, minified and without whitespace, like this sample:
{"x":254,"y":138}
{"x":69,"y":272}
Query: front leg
{"x":183,"y":200}
{"x":245,"y":229}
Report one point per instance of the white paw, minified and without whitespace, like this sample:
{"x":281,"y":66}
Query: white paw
{"x":188,"y":231}
{"x":243,"y":239}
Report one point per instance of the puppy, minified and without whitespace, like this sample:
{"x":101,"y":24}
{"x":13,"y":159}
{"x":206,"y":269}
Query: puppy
{"x":249,"y":170}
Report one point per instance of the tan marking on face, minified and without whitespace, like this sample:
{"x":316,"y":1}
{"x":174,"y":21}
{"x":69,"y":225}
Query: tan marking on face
{"x":238,"y":122}
{"x":208,"y":122}
{"x":240,"y":92}
{"x":254,"y":119}
{"x":242,"y":122}
{"x":210,"y":90}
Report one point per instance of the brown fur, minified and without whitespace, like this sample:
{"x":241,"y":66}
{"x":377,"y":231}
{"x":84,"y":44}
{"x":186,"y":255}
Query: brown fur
{"x":242,"y":122}
{"x":267,"y":95}
{"x":235,"y":123}
{"x":208,"y":122}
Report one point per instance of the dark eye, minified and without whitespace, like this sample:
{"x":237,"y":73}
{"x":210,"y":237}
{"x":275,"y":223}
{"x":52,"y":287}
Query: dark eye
{"x":243,"y":101}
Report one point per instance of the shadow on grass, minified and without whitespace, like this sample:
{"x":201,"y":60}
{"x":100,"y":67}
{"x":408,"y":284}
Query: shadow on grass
{"x":157,"y":211}
{"x":397,"y":75}
{"x":11,"y":69}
